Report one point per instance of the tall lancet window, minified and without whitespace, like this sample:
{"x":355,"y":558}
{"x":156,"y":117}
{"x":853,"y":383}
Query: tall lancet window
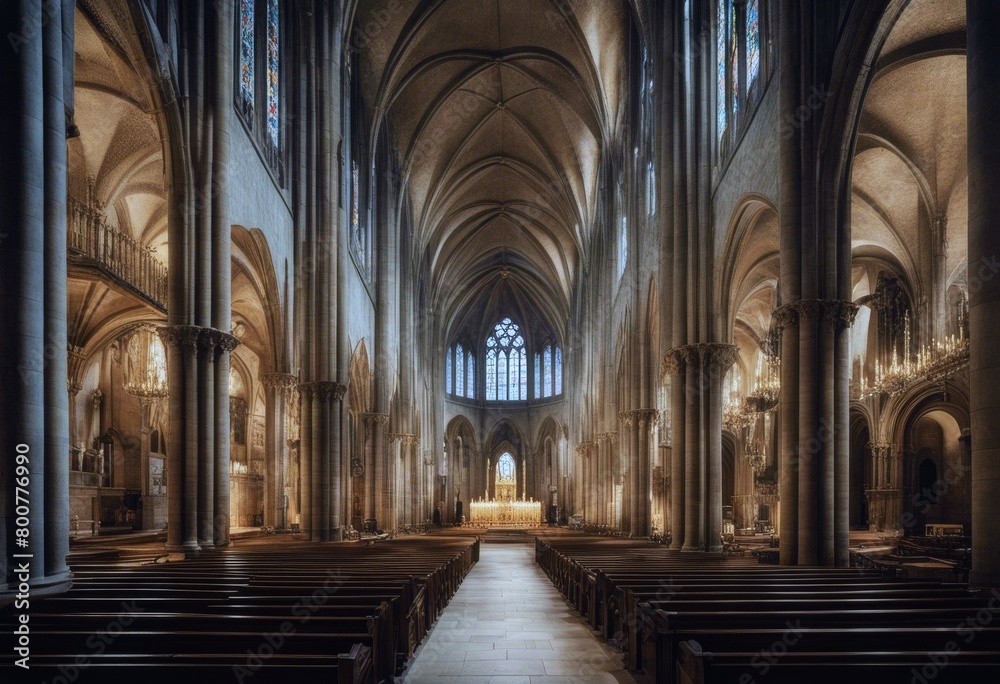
{"x":506,"y":363}
{"x":273,"y":70}
{"x":741,"y":58}
{"x":247,"y":52}
{"x":722,"y":40}
{"x":753,"y":41}
{"x":258,"y":81}
{"x":460,"y":372}
{"x":548,"y":372}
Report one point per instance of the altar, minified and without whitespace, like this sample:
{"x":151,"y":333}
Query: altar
{"x":506,"y":513}
{"x":505,"y":510}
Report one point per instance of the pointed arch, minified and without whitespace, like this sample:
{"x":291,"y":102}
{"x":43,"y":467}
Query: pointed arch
{"x":359,"y":388}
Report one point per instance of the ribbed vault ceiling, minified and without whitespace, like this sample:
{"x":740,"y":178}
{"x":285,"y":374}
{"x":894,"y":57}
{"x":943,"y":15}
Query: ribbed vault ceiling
{"x":500,"y":110}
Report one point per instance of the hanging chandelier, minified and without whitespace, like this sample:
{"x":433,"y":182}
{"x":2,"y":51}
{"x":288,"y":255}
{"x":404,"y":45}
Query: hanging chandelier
{"x":766,"y":385}
{"x":144,"y":363}
{"x":739,"y":414}
{"x":756,"y":457}
{"x":932,"y":363}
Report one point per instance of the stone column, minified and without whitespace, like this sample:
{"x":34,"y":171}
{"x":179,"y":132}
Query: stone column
{"x":983,"y":22}
{"x":696,"y":473}
{"x":33,"y":347}
{"x":306,"y":396}
{"x":379,"y":504}
{"x":813,"y":466}
{"x":276,"y":388}
{"x":646,"y":420}
{"x":337,"y":416}
{"x":206,"y":430}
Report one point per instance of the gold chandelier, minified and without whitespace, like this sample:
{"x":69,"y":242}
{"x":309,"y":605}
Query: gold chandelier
{"x":144,"y":363}
{"x":932,"y":363}
{"x":739,"y":414}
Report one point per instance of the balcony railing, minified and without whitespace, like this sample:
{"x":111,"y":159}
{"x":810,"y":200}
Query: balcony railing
{"x":117,"y":252}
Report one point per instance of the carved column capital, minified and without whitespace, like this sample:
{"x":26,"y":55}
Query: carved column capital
{"x":339,"y":391}
{"x":609,"y":437}
{"x":328,"y":390}
{"x":714,"y":356}
{"x":404,"y":438}
{"x":647,"y":417}
{"x":225,"y":342}
{"x":785,"y":316}
{"x":675,"y":361}
{"x":379,"y":419}
{"x":719,"y":357}
{"x":180,"y":335}
{"x":279,"y":381}
{"x":840,"y":312}
{"x":306,"y":389}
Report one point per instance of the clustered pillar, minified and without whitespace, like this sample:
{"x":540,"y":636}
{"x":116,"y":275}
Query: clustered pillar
{"x":983,"y":20}
{"x":36,"y":72}
{"x":817,"y":312}
{"x":199,"y":300}
{"x":697,"y":372}
{"x":319,"y":226}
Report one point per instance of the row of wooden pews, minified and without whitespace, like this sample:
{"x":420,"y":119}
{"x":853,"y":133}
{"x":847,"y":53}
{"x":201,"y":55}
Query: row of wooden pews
{"x":263,"y":611}
{"x":704,"y":618}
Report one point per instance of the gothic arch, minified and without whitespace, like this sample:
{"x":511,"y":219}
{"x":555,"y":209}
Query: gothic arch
{"x":749,"y":255}
{"x":256,"y":298}
{"x":359,"y":388}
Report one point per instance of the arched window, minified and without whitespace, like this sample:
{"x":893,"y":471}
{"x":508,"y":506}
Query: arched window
{"x":723,"y":8}
{"x":460,"y":372}
{"x":622,"y":246}
{"x":548,"y":372}
{"x":506,"y":468}
{"x":753,"y":41}
{"x":259,"y":77}
{"x":740,"y":59}
{"x":506,"y":363}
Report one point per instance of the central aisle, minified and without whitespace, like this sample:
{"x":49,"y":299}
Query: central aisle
{"x":507,"y":624}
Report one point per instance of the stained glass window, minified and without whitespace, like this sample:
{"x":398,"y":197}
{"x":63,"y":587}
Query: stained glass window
{"x":558,"y":372}
{"x":357,"y":231}
{"x":523,"y":394}
{"x":515,"y":375}
{"x":538,"y":376}
{"x":506,"y":468}
{"x":470,"y":380}
{"x":720,"y":58}
{"x":753,"y":41}
{"x":547,"y":372}
{"x":247,"y":53}
{"x":734,"y":56}
{"x":506,"y":363}
{"x":491,"y":375}
{"x":460,"y":372}
{"x":623,"y":246}
{"x":503,"y":377}
{"x":273,"y":64}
